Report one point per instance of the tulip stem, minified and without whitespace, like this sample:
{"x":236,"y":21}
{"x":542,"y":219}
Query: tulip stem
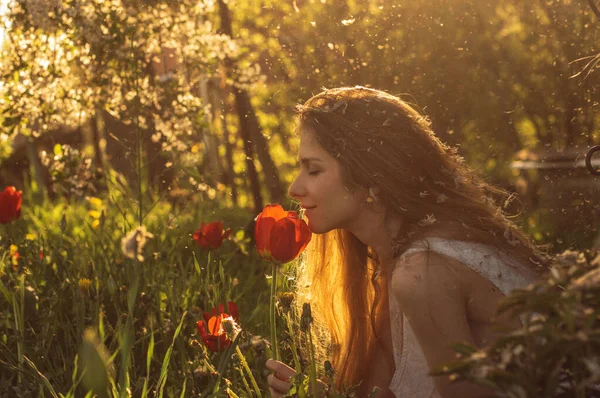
{"x":274,"y":347}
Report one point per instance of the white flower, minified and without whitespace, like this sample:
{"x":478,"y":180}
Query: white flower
{"x":133,"y":243}
{"x":230,"y":327}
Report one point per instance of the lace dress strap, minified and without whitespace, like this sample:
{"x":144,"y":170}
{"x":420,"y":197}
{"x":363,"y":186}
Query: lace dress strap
{"x":492,"y":263}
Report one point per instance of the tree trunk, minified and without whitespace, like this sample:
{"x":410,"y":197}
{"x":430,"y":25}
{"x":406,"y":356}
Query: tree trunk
{"x":99,"y":140}
{"x":159,"y":175}
{"x":250,"y":129}
{"x":211,"y":143}
{"x":221,"y":106}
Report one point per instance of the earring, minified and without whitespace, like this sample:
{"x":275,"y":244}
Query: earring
{"x":372,"y":197}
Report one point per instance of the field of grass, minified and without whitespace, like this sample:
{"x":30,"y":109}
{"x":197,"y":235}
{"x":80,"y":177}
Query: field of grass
{"x":83,"y":311}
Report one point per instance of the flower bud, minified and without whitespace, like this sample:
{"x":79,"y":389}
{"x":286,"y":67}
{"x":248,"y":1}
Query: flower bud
{"x":306,"y":319}
{"x":230,"y":327}
{"x":286,"y":299}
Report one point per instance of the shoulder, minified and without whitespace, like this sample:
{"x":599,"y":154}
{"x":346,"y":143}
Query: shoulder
{"x":426,"y":275}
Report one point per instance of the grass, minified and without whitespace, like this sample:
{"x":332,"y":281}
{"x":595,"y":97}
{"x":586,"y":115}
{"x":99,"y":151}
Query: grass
{"x":73,"y":304}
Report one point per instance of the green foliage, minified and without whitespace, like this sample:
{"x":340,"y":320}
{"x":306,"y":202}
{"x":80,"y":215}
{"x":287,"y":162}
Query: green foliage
{"x":72,"y":293}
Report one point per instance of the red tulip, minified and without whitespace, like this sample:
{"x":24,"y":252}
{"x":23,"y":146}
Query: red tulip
{"x":280,"y":235}
{"x":210,"y":329}
{"x":211,"y":235}
{"x":10,"y":204}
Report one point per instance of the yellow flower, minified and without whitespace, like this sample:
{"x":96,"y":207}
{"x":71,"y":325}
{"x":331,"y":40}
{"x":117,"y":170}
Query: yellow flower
{"x":84,"y":285}
{"x":95,"y":202}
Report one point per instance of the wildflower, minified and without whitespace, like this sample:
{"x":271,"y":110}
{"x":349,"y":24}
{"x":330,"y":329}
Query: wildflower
{"x":84,"y":285}
{"x":14,"y":256}
{"x":204,"y":375}
{"x":306,"y":318}
{"x":256,"y":343}
{"x":94,"y":202}
{"x":231,"y":327}
{"x":211,"y":235}
{"x":10,"y":204}
{"x":280,"y":235}
{"x":286,"y":299}
{"x":329,"y":371}
{"x":133,"y":243}
{"x":95,"y":215}
{"x":211,"y":329}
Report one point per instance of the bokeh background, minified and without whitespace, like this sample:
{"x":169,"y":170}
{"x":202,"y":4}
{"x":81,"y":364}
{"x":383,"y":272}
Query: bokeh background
{"x":503,"y":81}
{"x":116,"y":113}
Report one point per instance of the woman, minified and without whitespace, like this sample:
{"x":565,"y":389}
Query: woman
{"x":410,"y":253}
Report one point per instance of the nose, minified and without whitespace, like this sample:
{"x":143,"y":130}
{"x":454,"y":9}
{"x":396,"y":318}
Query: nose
{"x":296,"y":190}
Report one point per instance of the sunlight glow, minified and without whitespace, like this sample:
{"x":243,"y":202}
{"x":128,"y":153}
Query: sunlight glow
{"x":3,"y":9}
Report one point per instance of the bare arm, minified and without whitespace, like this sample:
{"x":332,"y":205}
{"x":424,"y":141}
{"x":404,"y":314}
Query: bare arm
{"x":430,"y":294}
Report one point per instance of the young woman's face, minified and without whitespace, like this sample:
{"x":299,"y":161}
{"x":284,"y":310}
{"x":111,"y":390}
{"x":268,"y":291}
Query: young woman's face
{"x":319,"y":187}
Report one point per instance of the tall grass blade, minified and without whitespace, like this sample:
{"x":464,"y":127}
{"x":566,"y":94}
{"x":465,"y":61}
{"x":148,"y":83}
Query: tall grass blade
{"x":149,"y":356}
{"x":162,"y":380}
{"x":41,"y":376}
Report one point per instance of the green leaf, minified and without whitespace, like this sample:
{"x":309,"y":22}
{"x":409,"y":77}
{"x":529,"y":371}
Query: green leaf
{"x":94,"y":364}
{"x":196,"y":265}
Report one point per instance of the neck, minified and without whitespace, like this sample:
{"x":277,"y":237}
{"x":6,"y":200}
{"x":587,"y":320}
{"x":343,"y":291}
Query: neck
{"x":377,"y":230}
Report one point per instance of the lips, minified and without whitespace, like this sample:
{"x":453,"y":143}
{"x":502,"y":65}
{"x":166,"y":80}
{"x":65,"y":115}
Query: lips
{"x":306,"y":209}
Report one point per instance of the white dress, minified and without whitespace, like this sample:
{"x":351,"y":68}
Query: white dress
{"x":411,"y":379}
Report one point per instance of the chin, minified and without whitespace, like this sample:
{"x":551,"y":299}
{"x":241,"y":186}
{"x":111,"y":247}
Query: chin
{"x":318,"y":229}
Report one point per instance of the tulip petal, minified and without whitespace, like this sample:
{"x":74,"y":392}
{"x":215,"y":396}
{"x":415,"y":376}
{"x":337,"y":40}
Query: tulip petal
{"x":220,"y":309}
{"x":10,"y":204}
{"x":233,"y":310}
{"x":265,"y":221}
{"x":211,"y":235}
{"x":274,"y":211}
{"x":303,"y":235}
{"x":288,"y":238}
{"x":201,"y":327}
{"x":214,"y":325}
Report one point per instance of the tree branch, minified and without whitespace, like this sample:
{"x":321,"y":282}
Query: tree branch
{"x":595,"y":8}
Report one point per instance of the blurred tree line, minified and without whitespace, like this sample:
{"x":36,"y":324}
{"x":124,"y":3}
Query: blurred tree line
{"x":201,"y":93}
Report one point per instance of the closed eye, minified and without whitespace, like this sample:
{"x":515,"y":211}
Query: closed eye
{"x":314,"y":172}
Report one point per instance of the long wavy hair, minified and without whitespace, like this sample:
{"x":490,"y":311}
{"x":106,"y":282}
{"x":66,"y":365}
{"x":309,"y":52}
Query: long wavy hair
{"x":380,"y":140}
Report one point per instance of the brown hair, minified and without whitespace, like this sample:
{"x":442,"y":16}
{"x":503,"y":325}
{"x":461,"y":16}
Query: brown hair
{"x":381,"y":141}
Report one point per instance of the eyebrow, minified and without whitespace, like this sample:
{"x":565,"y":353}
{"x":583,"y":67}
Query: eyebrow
{"x":307,"y":160}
